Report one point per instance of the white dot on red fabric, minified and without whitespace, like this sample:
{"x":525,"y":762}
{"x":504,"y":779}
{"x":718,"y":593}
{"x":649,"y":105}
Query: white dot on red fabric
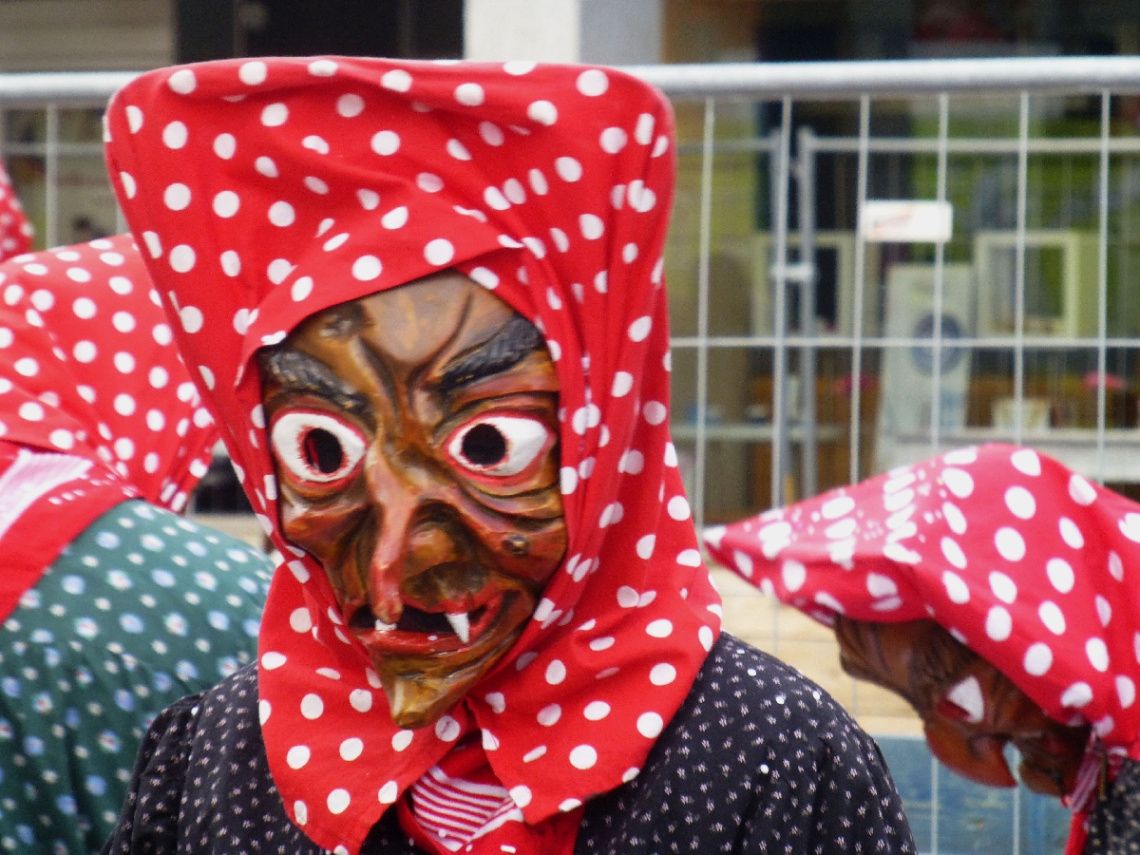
{"x":593,"y":82}
{"x":389,"y":793}
{"x":429,"y":182}
{"x":182,"y":81}
{"x":1052,"y":616}
{"x":643,"y":131}
{"x":662,"y":674}
{"x":338,"y":801}
{"x":301,"y":289}
{"x":645,"y":546}
{"x":225,"y":146}
{"x":395,"y":219}
{"x":312,"y":707}
{"x":317,"y":185}
{"x":639,"y":330}
{"x":176,"y":197}
{"x":952,"y":552}
{"x":660,"y":628}
{"x":1077,"y":695}
{"x":958,"y":481}
{"x":1020,"y":502}
{"x":226,"y":204}
{"x":521,"y":795}
{"x":1026,"y":461}
{"x":879,"y":585}
{"x":613,"y":140}
{"x":27,"y":366}
{"x":397,"y":80}
{"x":401,"y":739}
{"x":1125,"y":690}
{"x":439,"y":252}
{"x":794,"y":574}
{"x":62,"y":439}
{"x":301,"y":620}
{"x":655,"y":412}
{"x":1060,"y":574}
{"x":124,"y":404}
{"x":678,"y":508}
{"x":491,"y":134}
{"x":351,"y":748}
{"x":272,"y":660}
{"x":447,"y":729}
{"x":514,"y":191}
{"x":457,"y":150}
{"x":335,"y":242}
{"x":281,"y":214}
{"x":274,"y":115}
{"x":1081,"y":491}
{"x":999,"y":623}
{"x":555,"y":672}
{"x":650,"y":724}
{"x":1004,"y":588}
{"x":549,"y":715}
{"x":192,"y":319}
{"x":495,"y":199}
{"x":174,"y":135}
{"x":231,"y":263}
{"x":469,"y":94}
{"x":568,"y":169}
{"x":130,"y":187}
{"x":366,"y":268}
{"x":1097,"y":652}
{"x":253,"y":73}
{"x":1115,"y":566}
{"x":1071,"y":533}
{"x":543,"y":112}
{"x":1038,"y":659}
{"x":298,"y":756}
{"x":954,"y":518}
{"x":386,"y":142}
{"x":591,"y":226}
{"x":1009,"y":543}
{"x":583,"y":757}
{"x":956,"y":588}
{"x":134,"y":118}
{"x":689,"y":558}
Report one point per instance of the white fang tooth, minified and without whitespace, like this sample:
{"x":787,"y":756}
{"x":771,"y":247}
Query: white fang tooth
{"x":384,"y":627}
{"x":461,"y":625}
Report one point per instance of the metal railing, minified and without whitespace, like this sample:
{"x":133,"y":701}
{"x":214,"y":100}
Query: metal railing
{"x":794,"y":366}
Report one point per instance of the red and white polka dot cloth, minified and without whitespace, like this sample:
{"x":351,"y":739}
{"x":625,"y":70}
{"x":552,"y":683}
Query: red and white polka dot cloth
{"x":267,"y":190}
{"x":91,"y":383}
{"x":1028,"y":564}
{"x":15,"y":230}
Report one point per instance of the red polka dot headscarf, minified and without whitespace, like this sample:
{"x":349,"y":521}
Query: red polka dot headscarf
{"x":15,"y":230}
{"x":1025,"y":562}
{"x":95,"y":403}
{"x":268,"y":190}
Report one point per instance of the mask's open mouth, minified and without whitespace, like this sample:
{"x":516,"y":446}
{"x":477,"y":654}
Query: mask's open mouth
{"x":422,"y":629}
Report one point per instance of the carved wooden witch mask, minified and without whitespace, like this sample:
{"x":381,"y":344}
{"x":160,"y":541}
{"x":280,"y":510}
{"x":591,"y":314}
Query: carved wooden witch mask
{"x":414,"y":434}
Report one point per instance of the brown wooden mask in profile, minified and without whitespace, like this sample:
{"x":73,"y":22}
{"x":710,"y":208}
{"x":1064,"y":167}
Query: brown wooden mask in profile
{"x":969,"y":709}
{"x":415,"y":439}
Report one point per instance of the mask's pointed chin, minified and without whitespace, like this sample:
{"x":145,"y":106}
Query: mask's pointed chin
{"x":979,"y":758}
{"x":417,"y":700}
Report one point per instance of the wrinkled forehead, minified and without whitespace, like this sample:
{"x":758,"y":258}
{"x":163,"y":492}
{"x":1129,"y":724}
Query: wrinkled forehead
{"x":444,"y":327}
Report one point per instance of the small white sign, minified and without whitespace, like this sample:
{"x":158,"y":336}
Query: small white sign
{"x":906,"y":221}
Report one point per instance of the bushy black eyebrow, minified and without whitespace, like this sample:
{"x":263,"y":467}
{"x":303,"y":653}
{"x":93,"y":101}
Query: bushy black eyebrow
{"x":514,"y":342}
{"x":298,"y":372}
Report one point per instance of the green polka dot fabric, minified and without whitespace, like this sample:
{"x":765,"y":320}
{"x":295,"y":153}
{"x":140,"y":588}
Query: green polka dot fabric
{"x":141,"y":609}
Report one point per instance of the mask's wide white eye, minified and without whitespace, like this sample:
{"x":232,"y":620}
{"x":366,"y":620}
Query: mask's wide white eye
{"x":315,"y":447}
{"x":500,"y":446}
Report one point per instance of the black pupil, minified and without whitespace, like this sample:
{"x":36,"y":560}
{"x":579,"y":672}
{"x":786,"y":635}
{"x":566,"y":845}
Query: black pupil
{"x":484,"y":445}
{"x":323,"y":451}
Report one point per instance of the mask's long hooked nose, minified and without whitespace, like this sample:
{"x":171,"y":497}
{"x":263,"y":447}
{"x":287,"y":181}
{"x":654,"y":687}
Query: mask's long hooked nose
{"x":406,"y":543}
